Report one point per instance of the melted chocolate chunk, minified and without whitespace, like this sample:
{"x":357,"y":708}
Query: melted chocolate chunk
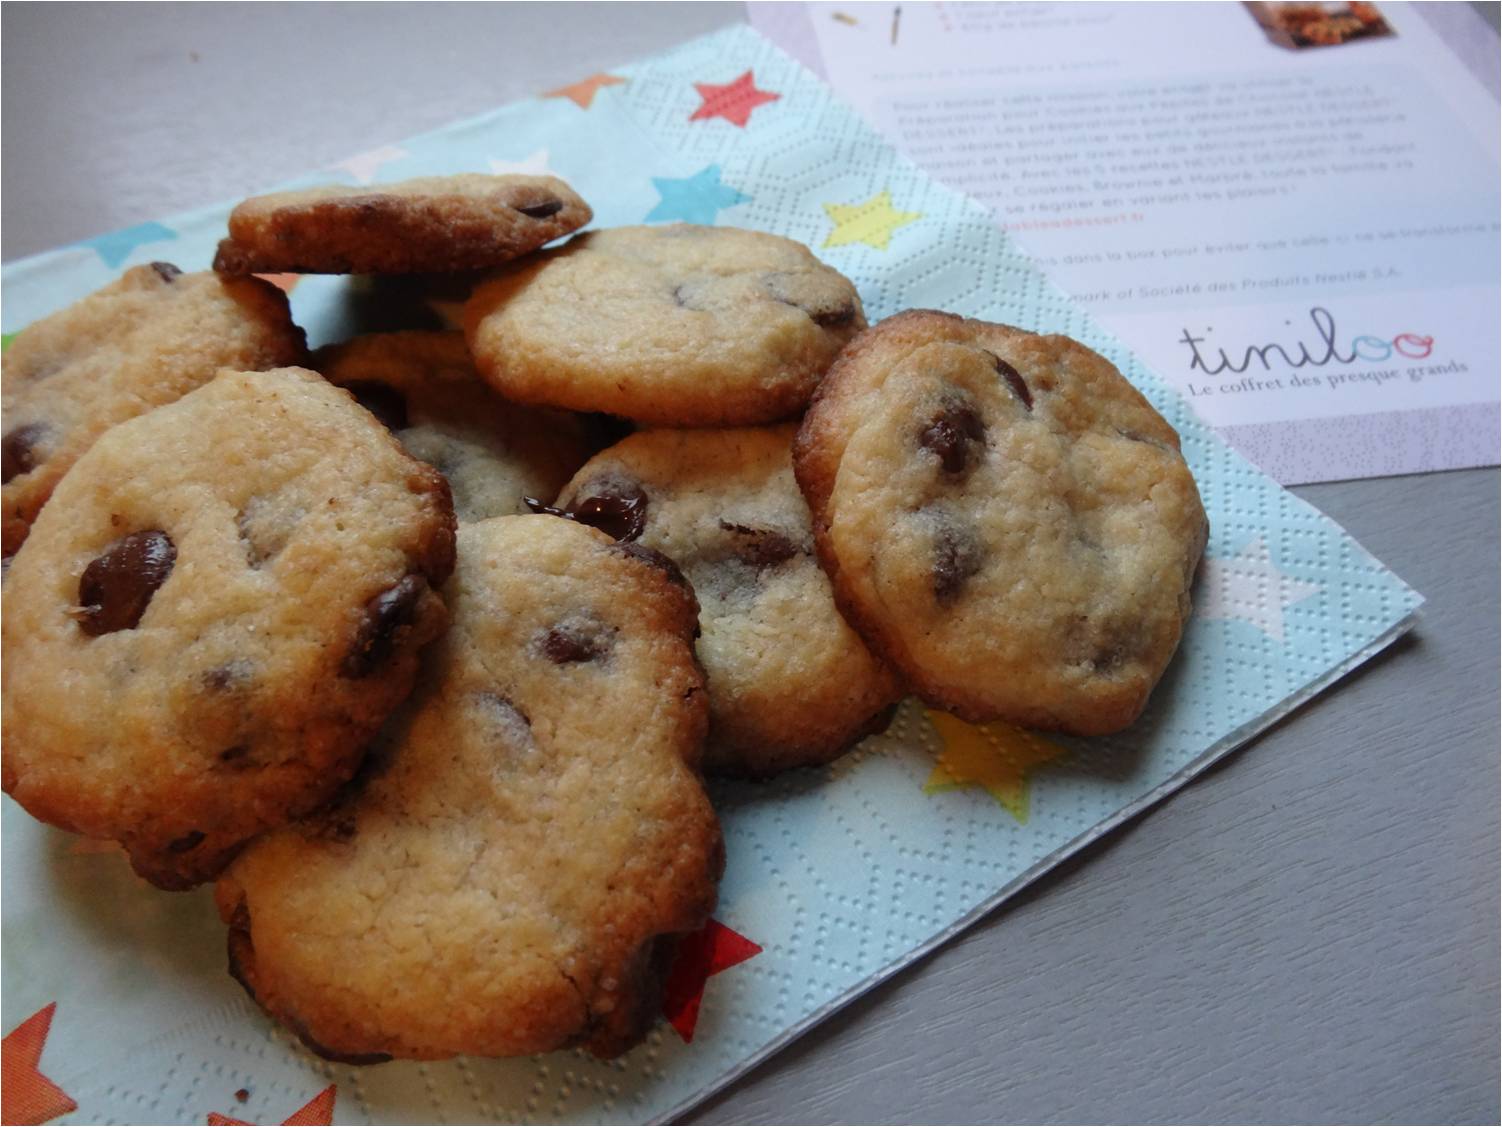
{"x":619,"y":509}
{"x":234,"y":754}
{"x":541,"y":210}
{"x":957,"y":556}
{"x":384,"y":617}
{"x":760,"y":547}
{"x":1014,"y":379}
{"x":381,"y":400}
{"x":954,"y":436}
{"x":18,"y":450}
{"x":621,"y":512}
{"x":567,"y":643}
{"x":546,"y":510}
{"x":117,"y":586}
{"x":166,"y":271}
{"x":189,"y":840}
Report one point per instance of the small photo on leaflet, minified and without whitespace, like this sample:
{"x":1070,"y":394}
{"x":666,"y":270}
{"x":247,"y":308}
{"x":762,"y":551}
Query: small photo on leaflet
{"x":1299,"y":25}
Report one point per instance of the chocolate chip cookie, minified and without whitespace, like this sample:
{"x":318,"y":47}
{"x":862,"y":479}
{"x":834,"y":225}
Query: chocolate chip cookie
{"x":674,"y":326}
{"x":145,"y":339}
{"x":216,"y":611}
{"x":423,"y":386}
{"x":507,"y":875}
{"x":433,"y":223}
{"x":1004,"y":518}
{"x":790,"y":684}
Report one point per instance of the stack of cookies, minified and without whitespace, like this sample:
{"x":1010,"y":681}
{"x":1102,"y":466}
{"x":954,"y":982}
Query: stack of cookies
{"x":418,"y":645}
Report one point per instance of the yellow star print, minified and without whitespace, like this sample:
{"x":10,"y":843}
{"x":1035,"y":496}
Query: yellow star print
{"x":995,"y":756}
{"x":871,"y":222}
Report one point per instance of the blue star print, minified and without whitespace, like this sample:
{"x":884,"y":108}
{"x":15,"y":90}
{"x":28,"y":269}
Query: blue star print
{"x":697,"y":199}
{"x":117,"y":246}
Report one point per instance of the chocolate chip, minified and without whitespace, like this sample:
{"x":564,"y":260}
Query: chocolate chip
{"x":1014,"y":379}
{"x":231,"y":754}
{"x":1109,"y":658}
{"x":760,"y":547}
{"x":653,"y":558}
{"x":230,"y":675}
{"x":18,"y":450}
{"x":509,"y":726}
{"x":166,"y":271}
{"x":825,"y":310}
{"x":503,"y":709}
{"x":1136,"y":436}
{"x":832,"y":318}
{"x":954,"y":435}
{"x":117,"y":586}
{"x":570,"y":642}
{"x":381,"y":400}
{"x":957,"y":556}
{"x":242,"y":1094}
{"x":384,"y":617}
{"x":541,"y":210}
{"x":189,"y":840}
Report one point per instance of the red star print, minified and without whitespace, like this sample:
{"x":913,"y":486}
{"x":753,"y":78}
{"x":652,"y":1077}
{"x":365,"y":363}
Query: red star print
{"x":317,"y":1112}
{"x":26,"y":1096}
{"x":733,"y":101}
{"x":700,"y":955}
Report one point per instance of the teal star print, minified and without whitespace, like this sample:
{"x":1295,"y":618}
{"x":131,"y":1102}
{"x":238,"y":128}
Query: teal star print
{"x":696,"y":199}
{"x":115,"y":247}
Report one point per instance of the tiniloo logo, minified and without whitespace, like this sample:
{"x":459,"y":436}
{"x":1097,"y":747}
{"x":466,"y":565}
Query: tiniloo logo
{"x":1304,"y":351}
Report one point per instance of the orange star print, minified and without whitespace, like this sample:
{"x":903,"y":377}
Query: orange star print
{"x":26,"y":1096}
{"x":317,"y":1112}
{"x":582,"y":93}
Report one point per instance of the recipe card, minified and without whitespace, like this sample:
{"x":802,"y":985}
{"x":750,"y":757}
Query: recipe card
{"x":1288,"y":211}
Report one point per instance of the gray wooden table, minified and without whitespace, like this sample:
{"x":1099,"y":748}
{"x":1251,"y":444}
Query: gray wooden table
{"x":1308,"y":934}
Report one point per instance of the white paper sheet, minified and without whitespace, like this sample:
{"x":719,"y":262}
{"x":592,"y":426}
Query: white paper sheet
{"x":1303,"y":241}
